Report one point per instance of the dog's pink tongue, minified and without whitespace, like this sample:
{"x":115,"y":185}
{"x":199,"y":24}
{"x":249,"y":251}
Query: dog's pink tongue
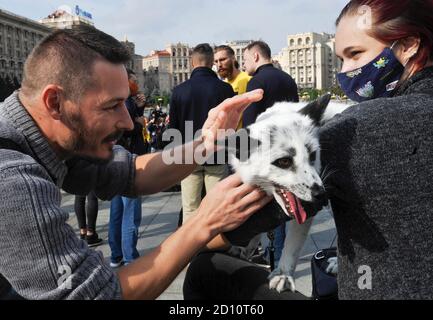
{"x":299,"y":212}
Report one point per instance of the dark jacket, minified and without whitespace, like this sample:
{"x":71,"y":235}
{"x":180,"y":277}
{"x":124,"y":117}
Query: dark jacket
{"x":277,"y":85}
{"x":193,"y":99}
{"x":381,"y":191}
{"x":133,"y":140}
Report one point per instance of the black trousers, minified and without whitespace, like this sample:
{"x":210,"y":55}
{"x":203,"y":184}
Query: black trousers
{"x":217,"y":276}
{"x":90,"y":212}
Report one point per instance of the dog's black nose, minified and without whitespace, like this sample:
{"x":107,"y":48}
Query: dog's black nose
{"x":319,"y":195}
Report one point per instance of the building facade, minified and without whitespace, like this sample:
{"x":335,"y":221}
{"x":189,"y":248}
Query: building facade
{"x":157,"y":68}
{"x":310,"y":59}
{"x":135,"y":64}
{"x":65,"y":19}
{"x":180,"y":68}
{"x":18,"y":37}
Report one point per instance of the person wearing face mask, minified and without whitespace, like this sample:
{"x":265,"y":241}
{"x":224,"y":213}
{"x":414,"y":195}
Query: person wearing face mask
{"x":381,"y":153}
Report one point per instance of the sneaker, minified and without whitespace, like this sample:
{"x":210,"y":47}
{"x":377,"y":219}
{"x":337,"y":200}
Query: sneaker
{"x":260,"y":261}
{"x":93,"y":240}
{"x":116,"y":264}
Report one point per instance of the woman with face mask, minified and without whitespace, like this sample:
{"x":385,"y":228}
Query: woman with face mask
{"x":381,"y":155}
{"x":381,"y":150}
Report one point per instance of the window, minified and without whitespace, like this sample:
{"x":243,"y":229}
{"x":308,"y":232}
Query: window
{"x":174,"y":52}
{"x":292,"y":42}
{"x":299,"y":41}
{"x":308,"y":40}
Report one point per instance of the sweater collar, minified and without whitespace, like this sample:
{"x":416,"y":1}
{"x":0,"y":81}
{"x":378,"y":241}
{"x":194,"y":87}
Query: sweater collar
{"x":41,"y":150}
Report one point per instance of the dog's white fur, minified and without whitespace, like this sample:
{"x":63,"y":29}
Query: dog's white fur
{"x":279,"y":129}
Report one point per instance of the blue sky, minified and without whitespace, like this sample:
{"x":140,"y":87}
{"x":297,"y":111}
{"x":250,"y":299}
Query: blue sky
{"x":152,"y":24}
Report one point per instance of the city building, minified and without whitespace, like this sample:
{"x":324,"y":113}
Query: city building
{"x":135,"y":64}
{"x":238,"y":47}
{"x":180,"y":62}
{"x":66,"y":18}
{"x":310,"y":59}
{"x":18,"y":36}
{"x":157,"y":72}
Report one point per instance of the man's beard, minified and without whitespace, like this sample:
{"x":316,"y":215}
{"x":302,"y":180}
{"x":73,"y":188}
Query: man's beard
{"x":227,"y":73}
{"x":82,"y":143}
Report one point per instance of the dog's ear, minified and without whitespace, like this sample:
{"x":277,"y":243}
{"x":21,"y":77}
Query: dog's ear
{"x":240,"y":144}
{"x":316,"y":109}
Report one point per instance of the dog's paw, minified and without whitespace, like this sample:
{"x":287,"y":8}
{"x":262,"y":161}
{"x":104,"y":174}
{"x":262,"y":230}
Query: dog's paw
{"x":281,"y":282}
{"x":332,"y":266}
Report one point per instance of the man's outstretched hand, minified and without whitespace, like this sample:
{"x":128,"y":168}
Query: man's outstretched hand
{"x":226,"y":116}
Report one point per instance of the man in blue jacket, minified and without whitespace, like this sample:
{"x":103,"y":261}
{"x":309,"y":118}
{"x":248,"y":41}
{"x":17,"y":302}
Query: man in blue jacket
{"x":278,"y":85}
{"x":191,"y":102}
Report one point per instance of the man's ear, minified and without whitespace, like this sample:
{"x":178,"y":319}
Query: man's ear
{"x":256,"y":57}
{"x":52,"y":97}
{"x":316,"y":109}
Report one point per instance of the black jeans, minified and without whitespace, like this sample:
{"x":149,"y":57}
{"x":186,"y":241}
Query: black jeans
{"x":92,"y":211}
{"x":217,"y":276}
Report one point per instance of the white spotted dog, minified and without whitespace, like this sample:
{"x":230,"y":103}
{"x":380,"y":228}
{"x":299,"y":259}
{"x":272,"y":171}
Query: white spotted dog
{"x":285,"y":163}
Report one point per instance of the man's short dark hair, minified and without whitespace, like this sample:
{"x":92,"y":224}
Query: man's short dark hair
{"x":67,"y":58}
{"x":262,"y":47}
{"x":227,"y":49}
{"x":204,"y":53}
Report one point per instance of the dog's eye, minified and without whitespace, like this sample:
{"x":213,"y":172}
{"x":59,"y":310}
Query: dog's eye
{"x":284,"y":163}
{"x":313,"y":157}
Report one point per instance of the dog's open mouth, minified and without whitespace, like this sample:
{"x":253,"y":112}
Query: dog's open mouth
{"x":290,"y":204}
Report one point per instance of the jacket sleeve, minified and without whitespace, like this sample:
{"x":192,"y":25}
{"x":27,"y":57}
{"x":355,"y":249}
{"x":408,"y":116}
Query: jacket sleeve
{"x":255,"y":109}
{"x":41,"y":257}
{"x":117,"y":177}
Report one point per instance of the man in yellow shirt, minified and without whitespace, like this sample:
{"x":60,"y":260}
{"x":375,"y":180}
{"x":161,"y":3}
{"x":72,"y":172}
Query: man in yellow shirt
{"x":228,"y":69}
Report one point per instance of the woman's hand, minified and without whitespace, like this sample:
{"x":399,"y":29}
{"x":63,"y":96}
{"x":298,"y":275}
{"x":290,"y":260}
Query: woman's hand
{"x":230,"y":203}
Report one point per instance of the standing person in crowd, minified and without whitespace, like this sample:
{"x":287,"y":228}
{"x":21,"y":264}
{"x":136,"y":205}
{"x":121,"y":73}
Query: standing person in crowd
{"x":125,"y":212}
{"x":60,"y":131}
{"x":228,"y":69}
{"x":156,"y":128}
{"x":146,"y":134}
{"x":191,"y":101}
{"x":86,"y":217}
{"x":277,"y":84}
{"x":381,"y":151}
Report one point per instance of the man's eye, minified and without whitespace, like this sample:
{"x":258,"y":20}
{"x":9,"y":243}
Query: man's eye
{"x":284,"y":163}
{"x":112,"y":107}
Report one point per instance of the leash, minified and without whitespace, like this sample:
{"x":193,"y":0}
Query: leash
{"x":271,"y":236}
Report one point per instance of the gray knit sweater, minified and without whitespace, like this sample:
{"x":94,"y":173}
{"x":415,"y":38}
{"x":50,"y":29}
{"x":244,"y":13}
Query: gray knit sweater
{"x":381,"y":153}
{"x":37,"y":246}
